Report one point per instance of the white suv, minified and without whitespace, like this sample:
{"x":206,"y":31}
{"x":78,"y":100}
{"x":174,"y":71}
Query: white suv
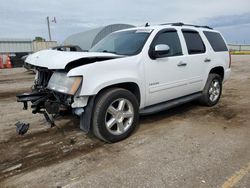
{"x":135,"y":71}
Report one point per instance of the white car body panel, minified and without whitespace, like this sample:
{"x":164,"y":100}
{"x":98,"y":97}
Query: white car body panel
{"x":172,"y":81}
{"x":99,"y":75}
{"x":158,"y":80}
{"x":53,"y":59}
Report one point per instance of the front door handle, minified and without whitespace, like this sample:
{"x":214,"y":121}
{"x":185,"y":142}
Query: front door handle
{"x":207,"y":60}
{"x":182,"y":64}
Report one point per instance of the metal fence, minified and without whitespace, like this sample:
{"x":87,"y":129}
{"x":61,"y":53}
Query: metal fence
{"x":239,"y":47}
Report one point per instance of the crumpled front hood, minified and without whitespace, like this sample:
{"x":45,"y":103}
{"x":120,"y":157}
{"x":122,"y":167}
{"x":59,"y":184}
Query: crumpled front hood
{"x":53,"y":59}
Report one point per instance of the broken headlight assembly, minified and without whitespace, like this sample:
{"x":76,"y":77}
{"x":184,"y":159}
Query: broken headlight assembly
{"x":60,"y":82}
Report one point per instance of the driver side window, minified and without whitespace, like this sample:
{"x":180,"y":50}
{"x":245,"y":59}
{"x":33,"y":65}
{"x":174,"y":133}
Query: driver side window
{"x":171,"y":39}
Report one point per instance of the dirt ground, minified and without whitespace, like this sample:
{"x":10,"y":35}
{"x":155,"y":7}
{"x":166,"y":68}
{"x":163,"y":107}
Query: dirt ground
{"x":188,"y":146}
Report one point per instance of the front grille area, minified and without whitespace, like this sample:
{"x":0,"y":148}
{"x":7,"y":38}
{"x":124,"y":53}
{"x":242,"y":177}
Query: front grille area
{"x":43,"y":78}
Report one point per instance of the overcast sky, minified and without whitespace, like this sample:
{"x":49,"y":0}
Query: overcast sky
{"x":27,"y":18}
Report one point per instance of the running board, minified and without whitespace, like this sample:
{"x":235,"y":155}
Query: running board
{"x":169,"y":104}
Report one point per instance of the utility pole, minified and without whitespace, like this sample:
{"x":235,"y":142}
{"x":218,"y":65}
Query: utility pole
{"x":48,"y":28}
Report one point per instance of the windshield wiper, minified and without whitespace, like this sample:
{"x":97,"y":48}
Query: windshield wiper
{"x":106,"y":51}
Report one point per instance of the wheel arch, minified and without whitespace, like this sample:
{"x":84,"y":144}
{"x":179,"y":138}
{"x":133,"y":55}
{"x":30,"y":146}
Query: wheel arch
{"x":130,"y":86}
{"x":218,"y":70}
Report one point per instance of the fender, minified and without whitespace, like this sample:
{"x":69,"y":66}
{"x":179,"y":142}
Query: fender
{"x":115,"y":71}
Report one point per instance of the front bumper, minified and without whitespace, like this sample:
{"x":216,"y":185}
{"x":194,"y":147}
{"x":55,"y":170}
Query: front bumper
{"x":45,"y":101}
{"x":36,"y":98}
{"x":52,"y":105}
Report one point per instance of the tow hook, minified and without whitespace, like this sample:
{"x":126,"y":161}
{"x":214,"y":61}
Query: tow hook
{"x":22,"y":128}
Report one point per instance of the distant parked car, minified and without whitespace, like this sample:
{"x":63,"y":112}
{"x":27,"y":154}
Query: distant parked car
{"x":68,"y":48}
{"x":16,"y":59}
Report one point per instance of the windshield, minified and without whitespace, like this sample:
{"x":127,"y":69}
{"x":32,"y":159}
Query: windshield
{"x":123,"y":43}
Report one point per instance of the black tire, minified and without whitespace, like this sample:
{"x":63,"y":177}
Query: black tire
{"x":205,"y":98}
{"x":103,"y":101}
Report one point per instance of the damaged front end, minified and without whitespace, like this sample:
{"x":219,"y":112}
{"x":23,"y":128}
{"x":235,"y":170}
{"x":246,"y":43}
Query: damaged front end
{"x":53,"y":94}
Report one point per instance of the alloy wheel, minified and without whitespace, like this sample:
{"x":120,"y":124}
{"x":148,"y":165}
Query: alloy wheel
{"x":214,"y":90}
{"x":119,"y":116}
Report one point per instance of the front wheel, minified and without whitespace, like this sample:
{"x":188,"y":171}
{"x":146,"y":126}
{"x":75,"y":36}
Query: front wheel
{"x":212,"y":91}
{"x":115,"y":115}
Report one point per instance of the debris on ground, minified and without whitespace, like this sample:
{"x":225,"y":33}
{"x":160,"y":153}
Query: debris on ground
{"x":22,"y":128}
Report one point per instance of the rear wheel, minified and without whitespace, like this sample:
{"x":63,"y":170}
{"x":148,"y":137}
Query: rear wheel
{"x":212,"y":91}
{"x":115,"y":115}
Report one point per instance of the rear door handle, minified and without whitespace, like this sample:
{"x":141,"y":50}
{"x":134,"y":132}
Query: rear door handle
{"x":182,"y":64}
{"x":207,"y":60}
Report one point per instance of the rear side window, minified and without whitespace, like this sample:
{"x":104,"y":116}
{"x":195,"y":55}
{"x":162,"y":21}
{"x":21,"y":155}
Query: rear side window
{"x":216,"y":41}
{"x":194,"y":42}
{"x":171,"y":39}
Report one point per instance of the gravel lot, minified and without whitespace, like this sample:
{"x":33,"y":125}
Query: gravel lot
{"x":188,"y":146}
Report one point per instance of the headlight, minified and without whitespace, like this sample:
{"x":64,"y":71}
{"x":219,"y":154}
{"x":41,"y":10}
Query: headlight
{"x":59,"y":81}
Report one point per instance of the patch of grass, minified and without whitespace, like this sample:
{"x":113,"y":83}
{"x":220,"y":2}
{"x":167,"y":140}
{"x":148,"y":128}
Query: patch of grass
{"x":240,"y":52}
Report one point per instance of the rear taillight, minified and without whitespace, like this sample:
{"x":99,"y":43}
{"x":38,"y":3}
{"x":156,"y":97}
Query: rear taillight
{"x":230,"y":60}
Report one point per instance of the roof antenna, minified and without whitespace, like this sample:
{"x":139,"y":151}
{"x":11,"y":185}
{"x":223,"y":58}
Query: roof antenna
{"x":146,"y":25}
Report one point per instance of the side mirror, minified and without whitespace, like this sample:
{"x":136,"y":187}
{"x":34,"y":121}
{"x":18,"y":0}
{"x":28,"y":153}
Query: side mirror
{"x":159,"y":51}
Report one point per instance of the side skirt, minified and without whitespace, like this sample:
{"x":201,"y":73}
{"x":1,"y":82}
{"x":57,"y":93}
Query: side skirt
{"x":169,"y":104}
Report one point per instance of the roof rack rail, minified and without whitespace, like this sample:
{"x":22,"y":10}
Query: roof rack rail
{"x":182,"y":24}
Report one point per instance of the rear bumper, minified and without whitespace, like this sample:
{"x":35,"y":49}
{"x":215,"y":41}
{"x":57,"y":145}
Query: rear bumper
{"x":227,"y":74}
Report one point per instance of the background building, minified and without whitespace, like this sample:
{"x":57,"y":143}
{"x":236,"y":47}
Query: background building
{"x":85,"y":40}
{"x":17,"y":48}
